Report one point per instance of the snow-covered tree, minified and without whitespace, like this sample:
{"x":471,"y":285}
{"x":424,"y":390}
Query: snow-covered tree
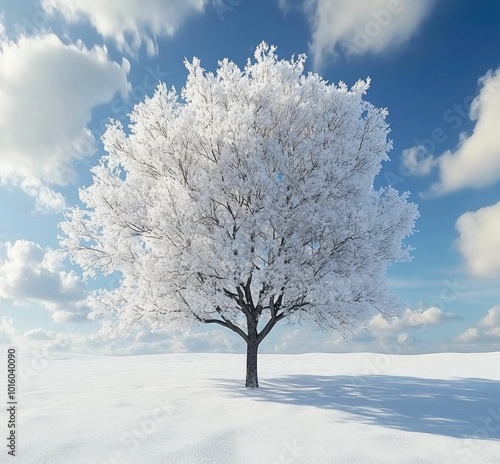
{"x":247,"y":200}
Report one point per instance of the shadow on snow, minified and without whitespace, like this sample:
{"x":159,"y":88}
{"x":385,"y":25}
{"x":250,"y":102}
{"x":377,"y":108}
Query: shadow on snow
{"x":462,"y":408}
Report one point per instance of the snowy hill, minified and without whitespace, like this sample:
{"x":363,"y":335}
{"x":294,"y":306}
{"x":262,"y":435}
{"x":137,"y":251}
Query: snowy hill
{"x":311,"y":408}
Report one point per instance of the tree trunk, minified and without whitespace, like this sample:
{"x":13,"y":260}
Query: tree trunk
{"x":252,"y":380}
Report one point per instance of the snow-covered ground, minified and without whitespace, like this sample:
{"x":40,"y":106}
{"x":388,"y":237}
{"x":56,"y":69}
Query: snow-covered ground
{"x":311,"y":409}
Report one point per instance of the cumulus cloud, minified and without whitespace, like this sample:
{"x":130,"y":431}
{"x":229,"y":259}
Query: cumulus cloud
{"x":378,"y":335}
{"x":476,"y":161}
{"x":130,"y":23}
{"x":475,"y":335}
{"x":302,"y":340}
{"x":394,"y":336}
{"x":46,"y":200}
{"x":47,"y":343}
{"x":479,"y":240}
{"x":44,"y":343}
{"x":416,"y":161}
{"x":486,"y":330}
{"x":39,"y":334}
{"x":48,"y":90}
{"x":492,"y":318}
{"x":410,"y":319}
{"x":357,"y":27}
{"x":30,"y":274}
{"x":175,"y":341}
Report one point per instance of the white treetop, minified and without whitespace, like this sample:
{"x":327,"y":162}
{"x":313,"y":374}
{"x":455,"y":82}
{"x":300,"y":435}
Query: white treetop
{"x":252,"y":189}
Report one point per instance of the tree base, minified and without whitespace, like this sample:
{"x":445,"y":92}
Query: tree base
{"x":251,"y":386}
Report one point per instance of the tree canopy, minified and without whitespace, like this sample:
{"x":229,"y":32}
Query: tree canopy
{"x":247,"y":199}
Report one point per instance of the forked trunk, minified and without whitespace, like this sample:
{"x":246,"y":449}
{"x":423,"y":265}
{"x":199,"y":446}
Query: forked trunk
{"x":252,"y":380}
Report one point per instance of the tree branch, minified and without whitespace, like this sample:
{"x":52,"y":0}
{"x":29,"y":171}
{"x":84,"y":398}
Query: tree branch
{"x":244,"y":307}
{"x":232,"y":295}
{"x":224,"y":323}
{"x":248,"y":294}
{"x":268,"y":327}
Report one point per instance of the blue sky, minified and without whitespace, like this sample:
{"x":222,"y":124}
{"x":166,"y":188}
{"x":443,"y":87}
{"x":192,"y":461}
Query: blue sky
{"x":66,"y":66}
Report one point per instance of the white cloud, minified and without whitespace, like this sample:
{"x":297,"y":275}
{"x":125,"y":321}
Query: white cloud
{"x":476,"y":161}
{"x":46,"y":199}
{"x":477,"y":336}
{"x":175,"y":341}
{"x":378,"y":335}
{"x":479,"y":240}
{"x":393,"y":338}
{"x":48,"y":90}
{"x":130,"y":23}
{"x":410,"y":319}
{"x":39,"y":334}
{"x":44,"y":343}
{"x":416,"y":161}
{"x":77,"y":338}
{"x":484,"y":333}
{"x":492,"y":318}
{"x":30,"y":274}
{"x":356,"y":27}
